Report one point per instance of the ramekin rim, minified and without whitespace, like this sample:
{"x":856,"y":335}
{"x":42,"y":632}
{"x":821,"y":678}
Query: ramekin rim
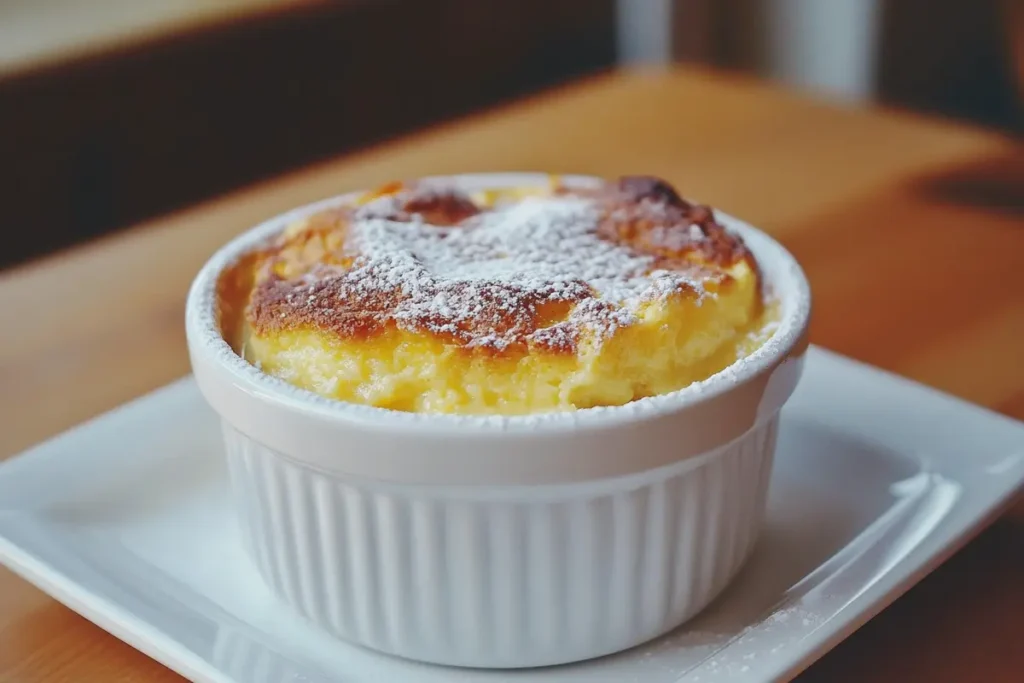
{"x":205,"y":337}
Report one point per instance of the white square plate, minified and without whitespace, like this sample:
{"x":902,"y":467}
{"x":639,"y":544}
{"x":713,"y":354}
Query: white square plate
{"x":126,"y":520}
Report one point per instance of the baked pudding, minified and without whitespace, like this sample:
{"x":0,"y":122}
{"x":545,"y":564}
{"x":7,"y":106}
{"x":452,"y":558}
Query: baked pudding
{"x":421,"y":297}
{"x":497,"y":526}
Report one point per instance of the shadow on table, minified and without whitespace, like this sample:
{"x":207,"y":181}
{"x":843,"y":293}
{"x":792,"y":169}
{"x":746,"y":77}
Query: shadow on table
{"x":995,"y":183}
{"x":892,"y":254}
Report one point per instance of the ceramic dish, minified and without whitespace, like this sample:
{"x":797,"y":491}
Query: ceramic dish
{"x":127,"y":520}
{"x":501,"y":541}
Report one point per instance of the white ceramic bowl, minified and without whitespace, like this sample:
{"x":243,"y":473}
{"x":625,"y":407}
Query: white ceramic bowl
{"x":501,"y":541}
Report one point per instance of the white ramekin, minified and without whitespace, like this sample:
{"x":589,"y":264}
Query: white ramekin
{"x":501,"y":541}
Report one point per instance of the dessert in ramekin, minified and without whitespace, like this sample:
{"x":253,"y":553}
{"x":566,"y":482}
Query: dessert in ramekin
{"x":500,"y":420}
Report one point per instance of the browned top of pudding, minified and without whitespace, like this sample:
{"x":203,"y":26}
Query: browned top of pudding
{"x":496,"y":272}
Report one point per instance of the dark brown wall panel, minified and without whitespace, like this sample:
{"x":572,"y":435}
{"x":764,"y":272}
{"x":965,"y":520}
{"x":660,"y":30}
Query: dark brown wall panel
{"x":104,"y":143}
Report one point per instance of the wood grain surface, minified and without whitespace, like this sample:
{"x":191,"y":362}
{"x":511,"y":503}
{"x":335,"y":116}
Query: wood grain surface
{"x":911,"y":231}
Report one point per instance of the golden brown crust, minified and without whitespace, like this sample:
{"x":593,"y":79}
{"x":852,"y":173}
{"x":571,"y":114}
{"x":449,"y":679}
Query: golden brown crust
{"x":647,"y":215}
{"x":315,"y":279}
{"x":342,"y":305}
{"x":441,"y":207}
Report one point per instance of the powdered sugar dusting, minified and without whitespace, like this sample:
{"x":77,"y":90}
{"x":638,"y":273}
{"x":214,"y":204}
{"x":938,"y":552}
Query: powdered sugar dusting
{"x":501,"y":267}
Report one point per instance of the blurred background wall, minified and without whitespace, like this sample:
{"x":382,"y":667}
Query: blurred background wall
{"x":956,"y":58}
{"x":114,"y":111}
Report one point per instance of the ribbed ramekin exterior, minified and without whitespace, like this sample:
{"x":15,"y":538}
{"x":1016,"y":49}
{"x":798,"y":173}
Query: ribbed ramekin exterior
{"x":502,"y":577}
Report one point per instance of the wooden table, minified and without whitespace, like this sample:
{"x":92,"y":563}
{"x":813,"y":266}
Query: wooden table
{"x":911,"y":231}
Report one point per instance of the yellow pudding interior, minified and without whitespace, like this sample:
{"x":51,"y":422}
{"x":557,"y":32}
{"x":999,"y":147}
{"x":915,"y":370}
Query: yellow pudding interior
{"x":569,"y":347}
